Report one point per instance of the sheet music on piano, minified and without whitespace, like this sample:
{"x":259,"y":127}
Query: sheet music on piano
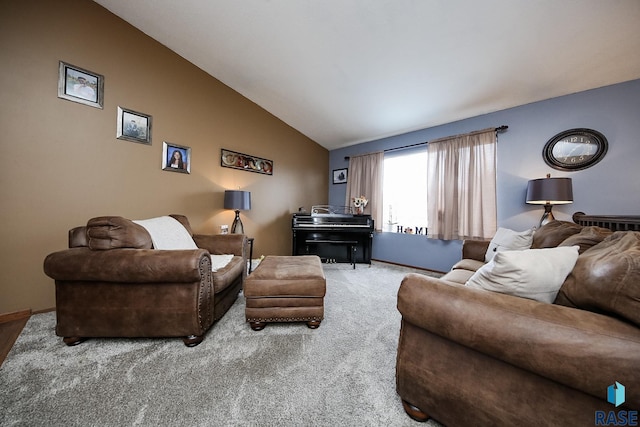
{"x":318,"y":210}
{"x":333,"y":233}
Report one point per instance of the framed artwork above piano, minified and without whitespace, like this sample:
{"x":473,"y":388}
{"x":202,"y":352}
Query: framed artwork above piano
{"x":340,"y":176}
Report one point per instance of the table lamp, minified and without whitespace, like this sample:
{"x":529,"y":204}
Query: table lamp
{"x":237,"y":200}
{"x":548,"y":192}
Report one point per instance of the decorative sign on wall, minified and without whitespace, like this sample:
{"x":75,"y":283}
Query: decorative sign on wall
{"x":234,"y":160}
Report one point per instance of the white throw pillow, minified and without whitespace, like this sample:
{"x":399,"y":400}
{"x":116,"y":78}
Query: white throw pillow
{"x":536,"y":274}
{"x":506,"y":239}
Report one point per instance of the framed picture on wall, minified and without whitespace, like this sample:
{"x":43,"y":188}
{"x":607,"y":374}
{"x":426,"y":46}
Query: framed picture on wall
{"x":79,"y":85}
{"x":134,"y":126}
{"x":340,"y":176}
{"x":176,"y":158}
{"x":246,"y":162}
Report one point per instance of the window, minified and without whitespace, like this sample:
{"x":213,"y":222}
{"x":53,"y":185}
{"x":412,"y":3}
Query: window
{"x":458,"y":172}
{"x":405,"y":191}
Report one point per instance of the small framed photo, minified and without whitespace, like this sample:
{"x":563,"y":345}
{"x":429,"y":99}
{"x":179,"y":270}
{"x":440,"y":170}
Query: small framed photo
{"x":79,"y":85}
{"x":176,"y":158}
{"x":134,"y":126}
{"x":340,"y":176}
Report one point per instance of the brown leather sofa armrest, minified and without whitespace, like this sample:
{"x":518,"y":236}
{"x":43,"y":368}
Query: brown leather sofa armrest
{"x":128,"y":265}
{"x":581,"y":349}
{"x":474,"y":249}
{"x":221,"y":244}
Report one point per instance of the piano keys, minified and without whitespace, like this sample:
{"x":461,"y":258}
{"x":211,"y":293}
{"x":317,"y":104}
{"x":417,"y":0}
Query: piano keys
{"x":334,"y":237}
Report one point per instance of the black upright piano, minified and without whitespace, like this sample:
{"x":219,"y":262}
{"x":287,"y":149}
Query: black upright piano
{"x":334,"y":237}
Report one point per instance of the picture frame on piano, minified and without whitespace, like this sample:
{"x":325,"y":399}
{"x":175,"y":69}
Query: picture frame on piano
{"x":340,"y":176}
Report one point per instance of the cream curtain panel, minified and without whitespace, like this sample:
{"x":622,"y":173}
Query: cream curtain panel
{"x":366,"y":174}
{"x":461,"y":186}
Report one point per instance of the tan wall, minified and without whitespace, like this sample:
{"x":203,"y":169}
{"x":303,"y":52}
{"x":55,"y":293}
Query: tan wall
{"x":62,"y":164}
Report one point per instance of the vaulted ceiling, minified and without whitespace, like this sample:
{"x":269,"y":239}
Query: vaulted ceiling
{"x":349,"y":71}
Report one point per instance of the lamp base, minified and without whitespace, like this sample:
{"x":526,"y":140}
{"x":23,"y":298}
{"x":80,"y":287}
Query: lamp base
{"x":237,"y":227}
{"x":547,"y":216}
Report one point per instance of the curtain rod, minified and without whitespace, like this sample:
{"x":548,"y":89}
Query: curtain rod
{"x":497,"y":130}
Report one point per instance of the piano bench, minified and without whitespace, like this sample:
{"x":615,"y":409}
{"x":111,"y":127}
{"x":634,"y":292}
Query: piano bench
{"x":285,"y":289}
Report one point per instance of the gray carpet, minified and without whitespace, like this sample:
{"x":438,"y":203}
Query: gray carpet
{"x":341,"y":374}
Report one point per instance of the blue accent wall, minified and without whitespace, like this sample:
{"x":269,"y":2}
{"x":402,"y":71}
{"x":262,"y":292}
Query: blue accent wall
{"x":610,"y":187}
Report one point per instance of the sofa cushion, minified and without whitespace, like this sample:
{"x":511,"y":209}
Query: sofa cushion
{"x":112,"y":232}
{"x":533,"y":273}
{"x":587,"y":237}
{"x":506,"y":239}
{"x":459,"y":275}
{"x":468,"y":264}
{"x":225,"y":276}
{"x":606,"y":278}
{"x":553,"y":233}
{"x":218,"y":262}
{"x":78,"y":237}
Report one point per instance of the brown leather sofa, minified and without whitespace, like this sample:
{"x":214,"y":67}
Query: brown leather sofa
{"x":475,"y":357}
{"x":112,"y":283}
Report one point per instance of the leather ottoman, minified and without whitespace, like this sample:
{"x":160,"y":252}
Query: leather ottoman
{"x":285,"y":289}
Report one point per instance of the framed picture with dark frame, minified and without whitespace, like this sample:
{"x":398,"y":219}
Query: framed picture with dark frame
{"x":176,"y":158}
{"x":134,"y":126}
{"x":340,"y":176}
{"x":234,"y":160}
{"x":79,"y":85}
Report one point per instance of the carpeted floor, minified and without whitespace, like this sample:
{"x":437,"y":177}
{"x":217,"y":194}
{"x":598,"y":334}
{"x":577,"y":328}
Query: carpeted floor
{"x":341,"y":374}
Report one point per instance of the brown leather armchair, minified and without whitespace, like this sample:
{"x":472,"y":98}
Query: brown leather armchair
{"x":112,"y":283}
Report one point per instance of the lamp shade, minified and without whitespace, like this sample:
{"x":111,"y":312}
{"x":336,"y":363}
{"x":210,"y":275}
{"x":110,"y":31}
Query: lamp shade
{"x":550,"y":191}
{"x":237,"y":200}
